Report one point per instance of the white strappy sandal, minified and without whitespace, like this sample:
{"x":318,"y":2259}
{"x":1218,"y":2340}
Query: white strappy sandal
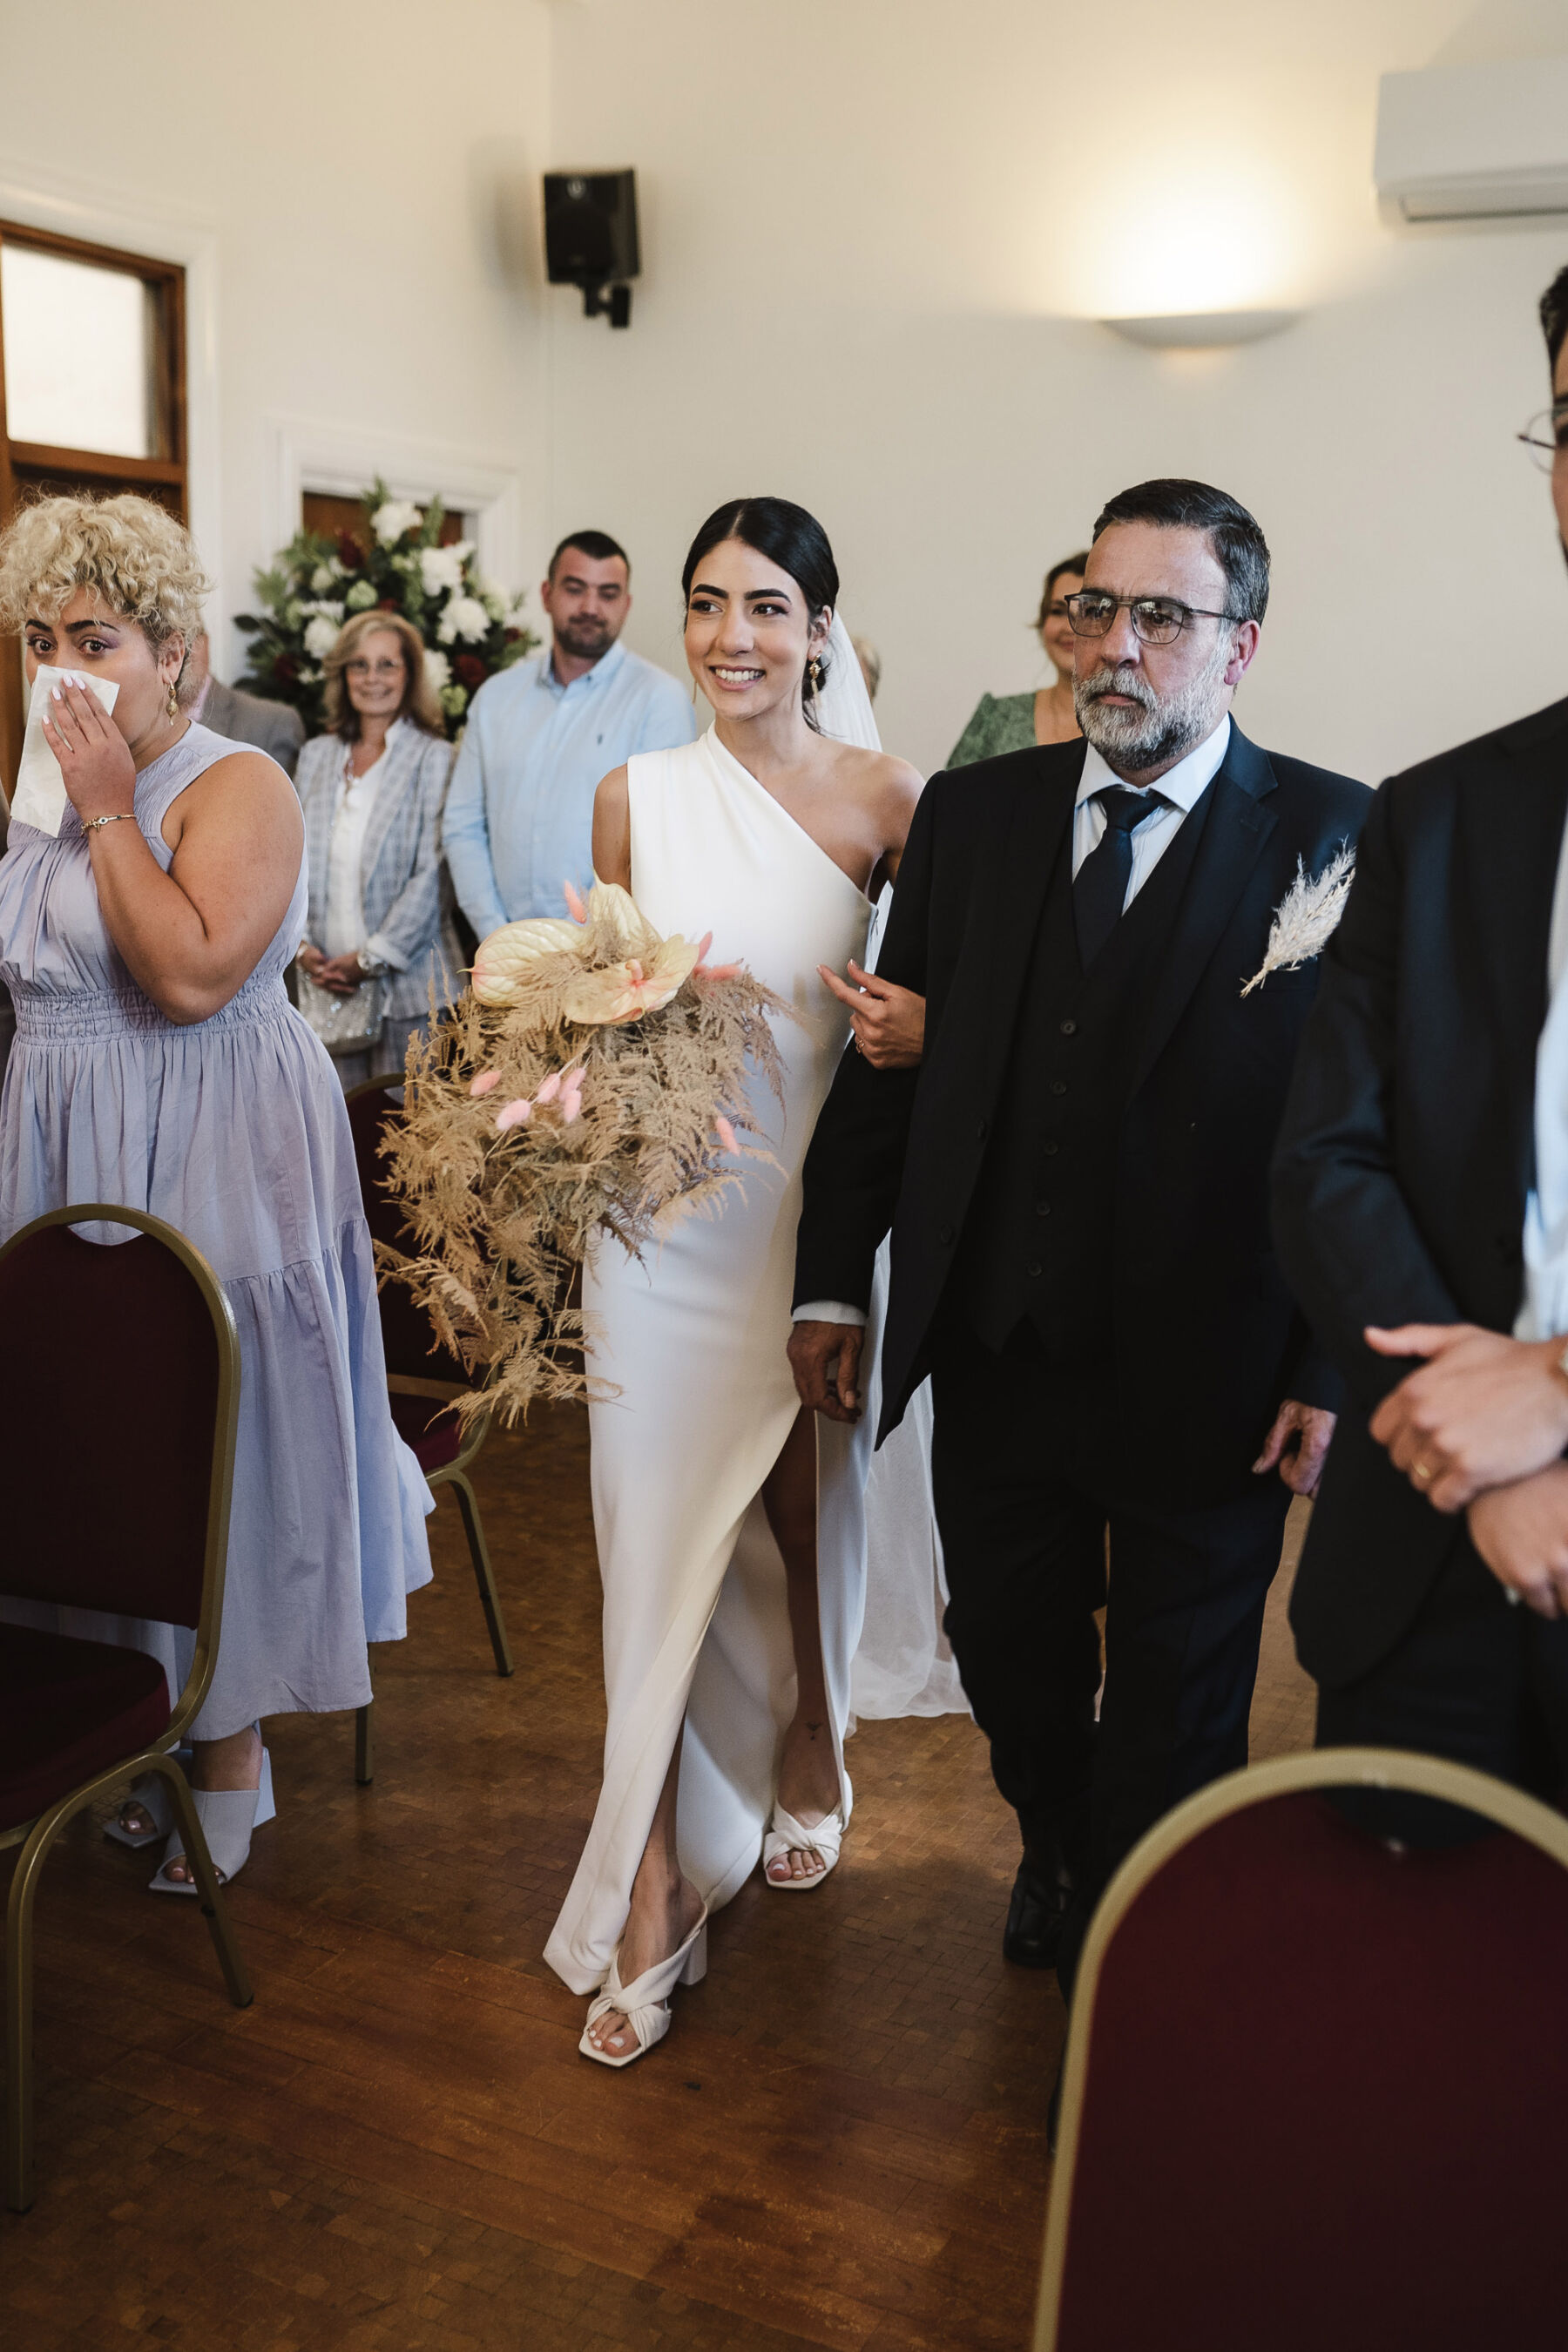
{"x":227,"y":1817}
{"x":645,"y":2003}
{"x":786,"y":1835}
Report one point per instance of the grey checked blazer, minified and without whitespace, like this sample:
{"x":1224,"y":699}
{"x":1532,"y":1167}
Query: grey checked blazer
{"x":406,"y":892}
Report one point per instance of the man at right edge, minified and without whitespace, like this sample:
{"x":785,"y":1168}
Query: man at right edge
{"x":1421,"y":1212}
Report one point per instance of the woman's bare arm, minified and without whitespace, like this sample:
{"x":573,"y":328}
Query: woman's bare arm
{"x":613,"y":830}
{"x":888,"y":1021}
{"x":191,"y":937}
{"x":900,"y":789}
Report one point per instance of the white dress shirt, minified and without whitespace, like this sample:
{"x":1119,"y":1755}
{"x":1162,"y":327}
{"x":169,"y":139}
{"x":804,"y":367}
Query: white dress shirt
{"x":345,"y":922}
{"x":1544,"y":1313}
{"x":1179,"y":791}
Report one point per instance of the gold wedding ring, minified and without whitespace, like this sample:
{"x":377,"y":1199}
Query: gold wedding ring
{"x":1421,"y":1470}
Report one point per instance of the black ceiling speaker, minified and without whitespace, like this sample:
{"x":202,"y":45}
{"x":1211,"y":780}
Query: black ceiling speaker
{"x":591,"y":238}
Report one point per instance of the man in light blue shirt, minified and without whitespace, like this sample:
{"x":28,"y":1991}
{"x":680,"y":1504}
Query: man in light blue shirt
{"x":519,"y":811}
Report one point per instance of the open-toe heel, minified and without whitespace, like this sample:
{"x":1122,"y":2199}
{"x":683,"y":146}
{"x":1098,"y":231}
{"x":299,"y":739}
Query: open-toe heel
{"x":153,"y":1795}
{"x":645,"y":2003}
{"x":825,"y":1839}
{"x":227,"y":1817}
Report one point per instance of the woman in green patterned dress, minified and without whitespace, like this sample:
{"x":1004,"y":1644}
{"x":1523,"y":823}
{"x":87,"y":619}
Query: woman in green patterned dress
{"x":1010,"y":722}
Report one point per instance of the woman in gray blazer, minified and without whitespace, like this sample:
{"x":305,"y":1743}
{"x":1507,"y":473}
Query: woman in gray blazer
{"x":380,"y":913}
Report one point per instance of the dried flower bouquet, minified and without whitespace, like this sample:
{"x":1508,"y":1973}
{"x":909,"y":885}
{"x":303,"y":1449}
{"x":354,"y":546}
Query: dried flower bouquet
{"x":590,"y":1080}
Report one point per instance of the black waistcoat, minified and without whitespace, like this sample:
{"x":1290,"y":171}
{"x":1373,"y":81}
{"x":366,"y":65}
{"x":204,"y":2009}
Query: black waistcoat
{"x":1038,"y":1236}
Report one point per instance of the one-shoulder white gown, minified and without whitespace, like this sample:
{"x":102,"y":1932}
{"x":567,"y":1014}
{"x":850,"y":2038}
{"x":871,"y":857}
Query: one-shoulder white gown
{"x":694,"y":1341}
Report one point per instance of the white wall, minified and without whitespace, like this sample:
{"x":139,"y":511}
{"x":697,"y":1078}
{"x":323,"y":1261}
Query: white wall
{"x":877,"y":235}
{"x":331,"y":175}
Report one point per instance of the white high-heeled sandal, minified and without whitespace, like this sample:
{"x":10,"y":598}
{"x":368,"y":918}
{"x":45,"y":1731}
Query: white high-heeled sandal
{"x":153,"y":1795}
{"x":785,"y":1836}
{"x":645,"y":2003}
{"x":227,"y":1817}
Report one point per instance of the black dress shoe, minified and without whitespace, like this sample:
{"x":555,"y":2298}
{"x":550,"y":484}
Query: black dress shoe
{"x":1035,"y":1917}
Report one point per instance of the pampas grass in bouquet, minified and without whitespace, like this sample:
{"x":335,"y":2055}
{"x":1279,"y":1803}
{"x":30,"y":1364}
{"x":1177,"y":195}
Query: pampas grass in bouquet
{"x":591,"y":1081}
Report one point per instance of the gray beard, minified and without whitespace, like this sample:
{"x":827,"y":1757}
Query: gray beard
{"x":1159,"y":732}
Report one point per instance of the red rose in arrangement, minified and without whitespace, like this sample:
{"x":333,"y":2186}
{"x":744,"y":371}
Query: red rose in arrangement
{"x":470,"y":671}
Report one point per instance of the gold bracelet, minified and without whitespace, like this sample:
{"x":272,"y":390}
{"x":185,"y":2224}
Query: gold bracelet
{"x":92,"y":824}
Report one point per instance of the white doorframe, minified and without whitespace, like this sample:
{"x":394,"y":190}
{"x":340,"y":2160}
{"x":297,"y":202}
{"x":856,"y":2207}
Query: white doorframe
{"x":342,"y":460}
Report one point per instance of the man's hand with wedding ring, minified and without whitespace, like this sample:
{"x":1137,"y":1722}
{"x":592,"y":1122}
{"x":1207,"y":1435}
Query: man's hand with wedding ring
{"x":96,"y":765}
{"x":1521,"y":1533}
{"x":1482,"y":1410}
{"x":888,"y":1022}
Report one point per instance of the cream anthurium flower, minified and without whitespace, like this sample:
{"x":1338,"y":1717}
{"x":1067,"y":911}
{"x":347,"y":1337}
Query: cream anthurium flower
{"x":609,"y":905}
{"x":625,"y":991}
{"x":506,"y":954}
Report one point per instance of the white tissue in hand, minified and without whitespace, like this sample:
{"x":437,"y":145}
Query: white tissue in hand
{"x":39,"y":796}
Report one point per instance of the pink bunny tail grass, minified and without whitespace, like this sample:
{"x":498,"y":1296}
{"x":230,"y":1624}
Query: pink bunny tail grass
{"x":513,"y":1114}
{"x":703,"y":944}
{"x":548,"y":1088}
{"x":725,"y":1133}
{"x":721,"y":971}
{"x":574,"y":907}
{"x":486,"y":1081}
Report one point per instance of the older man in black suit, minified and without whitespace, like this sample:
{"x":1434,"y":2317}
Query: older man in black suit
{"x":1077,"y":1182}
{"x":1422,"y":1211}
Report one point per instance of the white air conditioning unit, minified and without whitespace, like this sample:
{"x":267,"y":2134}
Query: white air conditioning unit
{"x":1473,"y":142}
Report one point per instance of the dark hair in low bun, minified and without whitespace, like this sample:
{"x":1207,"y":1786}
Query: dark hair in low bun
{"x":788,"y":537}
{"x":1076,"y":565}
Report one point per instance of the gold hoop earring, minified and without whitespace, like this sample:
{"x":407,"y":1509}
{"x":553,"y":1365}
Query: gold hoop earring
{"x":813,"y":671}
{"x":174,"y":706}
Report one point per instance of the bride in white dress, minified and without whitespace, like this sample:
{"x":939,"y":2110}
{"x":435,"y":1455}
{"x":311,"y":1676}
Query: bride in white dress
{"x":727,"y":1654}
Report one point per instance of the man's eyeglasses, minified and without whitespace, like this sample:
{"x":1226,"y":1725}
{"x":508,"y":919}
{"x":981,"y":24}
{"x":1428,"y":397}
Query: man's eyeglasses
{"x":1546,"y":437}
{"x":1156,"y":620}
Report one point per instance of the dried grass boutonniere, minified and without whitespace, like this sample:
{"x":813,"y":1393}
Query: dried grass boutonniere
{"x":1305,"y":917}
{"x":590,"y":1081}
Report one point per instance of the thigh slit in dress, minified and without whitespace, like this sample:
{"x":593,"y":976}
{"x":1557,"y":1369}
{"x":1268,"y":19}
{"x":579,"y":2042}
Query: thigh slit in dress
{"x":693,"y":1341}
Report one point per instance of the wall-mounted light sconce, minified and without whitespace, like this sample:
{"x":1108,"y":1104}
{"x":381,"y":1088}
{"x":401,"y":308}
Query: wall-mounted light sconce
{"x":1203,"y":331}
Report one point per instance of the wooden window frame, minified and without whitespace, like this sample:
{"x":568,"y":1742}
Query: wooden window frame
{"x":30,"y":465}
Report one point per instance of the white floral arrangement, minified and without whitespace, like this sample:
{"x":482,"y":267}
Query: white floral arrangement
{"x":397,"y":560}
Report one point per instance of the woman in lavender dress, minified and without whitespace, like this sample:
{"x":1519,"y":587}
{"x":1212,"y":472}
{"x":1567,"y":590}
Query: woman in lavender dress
{"x":158,"y":1064}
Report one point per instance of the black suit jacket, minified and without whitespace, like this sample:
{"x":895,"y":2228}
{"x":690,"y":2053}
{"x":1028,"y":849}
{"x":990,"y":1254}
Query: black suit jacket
{"x":1206,"y":1339}
{"x":1406,"y":1151}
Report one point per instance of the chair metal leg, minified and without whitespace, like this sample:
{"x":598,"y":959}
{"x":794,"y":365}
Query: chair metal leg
{"x":214,"y":1908}
{"x":484,"y":1575}
{"x":19,"y":2017}
{"x":364,"y":1744}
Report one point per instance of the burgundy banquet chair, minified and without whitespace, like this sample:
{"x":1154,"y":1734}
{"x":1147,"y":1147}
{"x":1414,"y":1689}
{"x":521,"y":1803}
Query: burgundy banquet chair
{"x":116,"y":1458}
{"x":1316,"y":2082}
{"x":422,"y":1378}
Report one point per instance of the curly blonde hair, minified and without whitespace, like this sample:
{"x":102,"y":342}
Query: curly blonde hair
{"x":418,"y":701}
{"x":139,"y":556}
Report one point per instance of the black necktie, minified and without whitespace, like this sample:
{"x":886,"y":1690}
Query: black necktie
{"x":1100,"y":887}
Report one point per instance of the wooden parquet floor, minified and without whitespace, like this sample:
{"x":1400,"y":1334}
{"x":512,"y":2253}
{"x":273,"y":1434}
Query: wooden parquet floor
{"x":397,"y":2147}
